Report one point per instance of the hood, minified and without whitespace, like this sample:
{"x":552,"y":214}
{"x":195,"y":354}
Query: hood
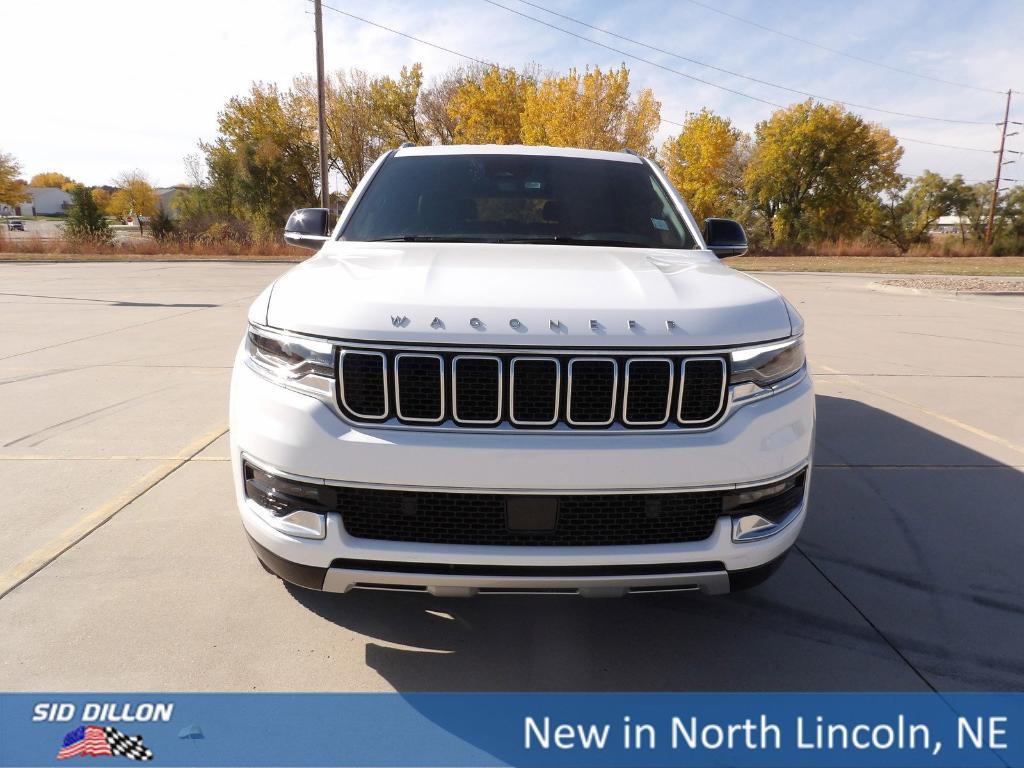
{"x":531,"y":295}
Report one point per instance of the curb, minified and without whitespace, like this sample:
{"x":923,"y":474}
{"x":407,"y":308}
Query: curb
{"x":908,"y":291}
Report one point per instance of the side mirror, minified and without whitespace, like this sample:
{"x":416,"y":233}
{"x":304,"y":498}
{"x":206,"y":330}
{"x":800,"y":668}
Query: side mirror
{"x":725,"y":237}
{"x":308,"y":228}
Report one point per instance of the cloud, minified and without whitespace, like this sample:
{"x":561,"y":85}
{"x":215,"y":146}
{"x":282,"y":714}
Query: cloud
{"x":123,"y":84}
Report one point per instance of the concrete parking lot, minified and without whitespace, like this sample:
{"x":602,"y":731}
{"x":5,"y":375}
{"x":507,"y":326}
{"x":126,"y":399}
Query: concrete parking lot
{"x":123,"y":565}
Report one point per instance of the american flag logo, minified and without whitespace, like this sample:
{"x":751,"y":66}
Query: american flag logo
{"x":97,"y":741}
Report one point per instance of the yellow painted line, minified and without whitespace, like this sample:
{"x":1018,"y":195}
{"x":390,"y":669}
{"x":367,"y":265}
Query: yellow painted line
{"x":934,"y":414}
{"x":36,"y":457}
{"x":51,"y":550}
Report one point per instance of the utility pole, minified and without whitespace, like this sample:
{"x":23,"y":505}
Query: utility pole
{"x":999,"y":169}
{"x":325,"y":201}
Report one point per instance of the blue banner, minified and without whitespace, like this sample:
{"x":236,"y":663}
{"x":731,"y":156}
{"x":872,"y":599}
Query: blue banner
{"x":522,"y":729}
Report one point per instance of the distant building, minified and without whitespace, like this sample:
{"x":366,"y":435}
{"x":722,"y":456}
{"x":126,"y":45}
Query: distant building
{"x":46,"y":201}
{"x":166,"y":197}
{"x":949,"y":225}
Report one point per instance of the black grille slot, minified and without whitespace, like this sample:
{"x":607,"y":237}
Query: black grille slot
{"x":648,"y":392}
{"x":363,"y":392}
{"x":419,"y":382}
{"x":703,"y":393}
{"x":592,"y":385}
{"x":582,"y":520}
{"x":535,"y":395}
{"x":476,"y":392}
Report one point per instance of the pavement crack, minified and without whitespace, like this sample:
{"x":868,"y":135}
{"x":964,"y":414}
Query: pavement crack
{"x":870,"y":623}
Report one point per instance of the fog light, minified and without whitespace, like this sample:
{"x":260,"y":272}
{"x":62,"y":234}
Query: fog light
{"x":763,"y":511}
{"x":290,"y":506}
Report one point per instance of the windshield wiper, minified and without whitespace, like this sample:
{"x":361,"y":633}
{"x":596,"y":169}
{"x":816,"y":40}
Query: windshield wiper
{"x":563,"y":240}
{"x":432,"y":239}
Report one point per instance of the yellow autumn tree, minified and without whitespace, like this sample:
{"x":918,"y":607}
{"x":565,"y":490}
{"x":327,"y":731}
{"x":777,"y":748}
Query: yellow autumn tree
{"x":12,"y":189}
{"x":52,"y":179}
{"x":134,"y":197}
{"x":705,"y":163}
{"x":591,"y":109}
{"x":488,"y":109}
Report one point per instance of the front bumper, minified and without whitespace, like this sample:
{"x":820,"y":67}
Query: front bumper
{"x":294,"y":434}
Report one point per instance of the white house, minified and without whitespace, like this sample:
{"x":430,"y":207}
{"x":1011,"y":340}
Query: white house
{"x":47,"y":201}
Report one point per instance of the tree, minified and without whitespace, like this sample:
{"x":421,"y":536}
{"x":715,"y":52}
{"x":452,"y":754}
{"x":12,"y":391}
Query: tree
{"x":353,"y":135}
{"x":906,"y":210}
{"x":162,"y":224}
{"x":960,"y":196}
{"x":134,"y":197}
{"x":435,"y":104}
{"x":814,"y":168}
{"x":394,"y":104}
{"x":102,"y":198}
{"x":488,"y":109}
{"x":264,"y":161}
{"x":592,"y":109}
{"x":12,"y":189}
{"x":705,"y":163}
{"x":52,"y":179}
{"x":85,"y":221}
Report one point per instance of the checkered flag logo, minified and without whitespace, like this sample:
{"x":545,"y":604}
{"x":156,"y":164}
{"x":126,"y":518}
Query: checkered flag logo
{"x":96,"y":741}
{"x":127,"y":746}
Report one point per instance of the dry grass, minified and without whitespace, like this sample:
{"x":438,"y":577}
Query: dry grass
{"x":1001,"y":266}
{"x":839,"y":257}
{"x":146,"y":249}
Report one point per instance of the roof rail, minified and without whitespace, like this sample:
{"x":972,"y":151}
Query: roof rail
{"x":629,"y":151}
{"x":405,"y":144}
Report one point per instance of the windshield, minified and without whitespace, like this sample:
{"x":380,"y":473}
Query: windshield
{"x":517,"y":198}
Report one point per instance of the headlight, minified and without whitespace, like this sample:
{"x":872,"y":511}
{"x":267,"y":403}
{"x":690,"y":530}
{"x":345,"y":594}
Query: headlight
{"x":768,"y":364}
{"x":302,"y":364}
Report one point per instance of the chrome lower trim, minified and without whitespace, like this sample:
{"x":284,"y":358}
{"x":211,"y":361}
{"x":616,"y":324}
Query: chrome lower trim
{"x":447,"y":585}
{"x":267,"y":467}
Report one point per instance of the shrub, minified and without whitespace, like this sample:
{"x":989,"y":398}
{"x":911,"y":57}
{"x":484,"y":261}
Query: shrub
{"x":161,"y":225}
{"x":86,"y":222}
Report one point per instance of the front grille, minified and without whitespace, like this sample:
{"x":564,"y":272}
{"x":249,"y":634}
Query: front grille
{"x":484,"y":519}
{"x":531,"y":391}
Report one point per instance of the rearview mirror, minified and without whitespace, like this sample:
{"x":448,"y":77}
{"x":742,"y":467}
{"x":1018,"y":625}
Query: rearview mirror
{"x":725,"y":237}
{"x":308,"y":228}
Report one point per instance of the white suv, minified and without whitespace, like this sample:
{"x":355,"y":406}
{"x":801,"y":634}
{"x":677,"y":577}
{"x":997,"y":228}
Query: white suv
{"x":520,"y":370}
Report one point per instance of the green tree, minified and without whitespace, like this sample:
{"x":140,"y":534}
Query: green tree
{"x":264,"y":161}
{"x":961,"y":197}
{"x":705,"y":163}
{"x":903,"y":213}
{"x":12,"y":189}
{"x":85,"y":221}
{"x":814,"y":168}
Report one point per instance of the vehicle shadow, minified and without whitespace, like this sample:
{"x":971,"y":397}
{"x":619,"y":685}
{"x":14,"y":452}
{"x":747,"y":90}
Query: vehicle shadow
{"x":904,"y":571}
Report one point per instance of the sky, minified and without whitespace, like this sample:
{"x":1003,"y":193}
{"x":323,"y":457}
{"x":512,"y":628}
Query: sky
{"x":97,"y":88}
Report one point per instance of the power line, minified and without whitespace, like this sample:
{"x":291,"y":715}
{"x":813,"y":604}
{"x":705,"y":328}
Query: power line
{"x":477,"y":60}
{"x":946,"y":146}
{"x":700,"y":63}
{"x":855,"y":57}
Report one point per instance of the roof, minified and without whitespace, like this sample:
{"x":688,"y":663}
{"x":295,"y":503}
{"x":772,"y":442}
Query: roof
{"x":515,"y":149}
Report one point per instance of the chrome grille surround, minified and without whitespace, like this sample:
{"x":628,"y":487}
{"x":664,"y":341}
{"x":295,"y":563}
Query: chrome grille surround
{"x":441,"y":391}
{"x":511,"y":360}
{"x":682,"y":388}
